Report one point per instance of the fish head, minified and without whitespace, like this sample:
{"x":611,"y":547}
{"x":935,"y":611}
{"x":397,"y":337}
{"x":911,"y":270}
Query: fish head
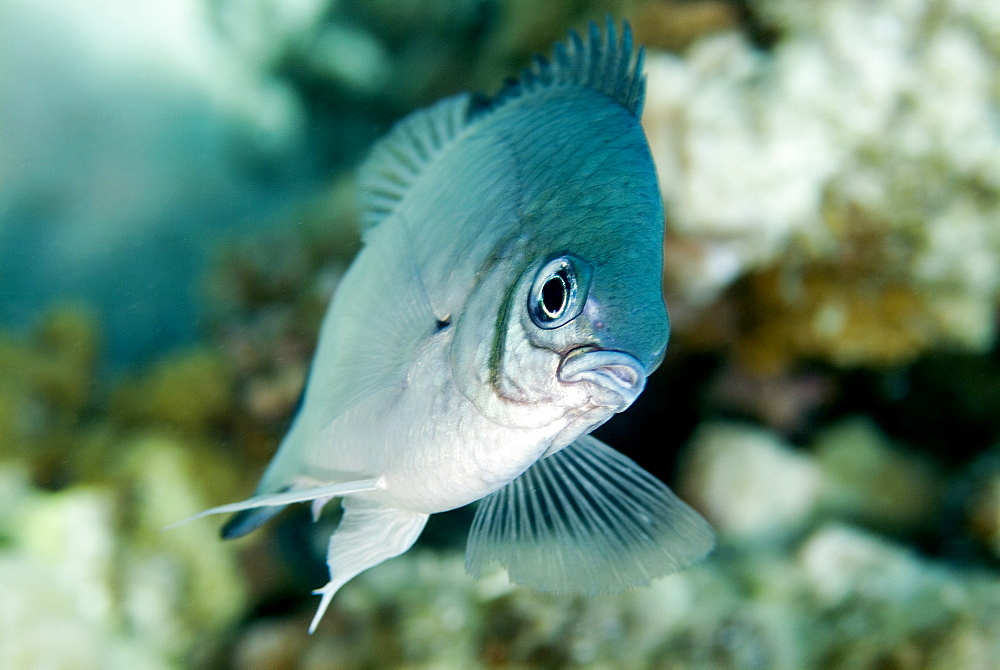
{"x":569,"y":342}
{"x":595,"y":300}
{"x":569,"y":317}
{"x":557,"y":258}
{"x":606,"y":325}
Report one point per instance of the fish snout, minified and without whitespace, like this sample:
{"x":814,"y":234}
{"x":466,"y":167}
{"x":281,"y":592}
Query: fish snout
{"x":619,"y":376}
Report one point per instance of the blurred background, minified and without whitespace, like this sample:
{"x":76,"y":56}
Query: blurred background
{"x":177,"y":206}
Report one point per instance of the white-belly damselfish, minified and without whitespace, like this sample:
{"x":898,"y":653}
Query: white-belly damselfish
{"x":506,"y":302}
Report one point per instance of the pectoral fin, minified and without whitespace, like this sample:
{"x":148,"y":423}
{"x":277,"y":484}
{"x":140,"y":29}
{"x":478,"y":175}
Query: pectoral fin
{"x":586,"y":519}
{"x":369,"y":339}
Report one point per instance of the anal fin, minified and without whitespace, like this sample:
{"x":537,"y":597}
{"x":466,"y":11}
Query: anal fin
{"x":368,"y":534}
{"x":587,"y":520}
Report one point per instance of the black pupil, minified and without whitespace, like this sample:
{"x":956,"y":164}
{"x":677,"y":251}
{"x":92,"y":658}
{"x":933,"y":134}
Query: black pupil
{"x":554,"y":294}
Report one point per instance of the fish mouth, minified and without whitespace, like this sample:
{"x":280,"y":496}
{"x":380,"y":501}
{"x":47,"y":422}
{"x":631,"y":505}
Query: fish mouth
{"x":619,"y":376}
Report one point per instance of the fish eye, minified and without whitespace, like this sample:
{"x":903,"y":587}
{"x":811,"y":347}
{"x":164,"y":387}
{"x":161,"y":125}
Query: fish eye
{"x":557,"y":294}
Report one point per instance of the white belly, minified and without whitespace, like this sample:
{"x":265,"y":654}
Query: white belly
{"x":435,"y":450}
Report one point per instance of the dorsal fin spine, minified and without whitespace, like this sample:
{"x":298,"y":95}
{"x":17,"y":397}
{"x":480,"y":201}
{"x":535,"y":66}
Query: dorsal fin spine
{"x":603,"y":63}
{"x":595,"y":39}
{"x":400,"y":158}
{"x":606,"y":64}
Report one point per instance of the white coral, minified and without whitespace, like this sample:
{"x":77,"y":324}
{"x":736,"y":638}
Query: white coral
{"x":886,"y":111}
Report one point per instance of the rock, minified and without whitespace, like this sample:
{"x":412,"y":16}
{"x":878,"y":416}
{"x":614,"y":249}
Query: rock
{"x":749,"y":484}
{"x":881,"y":604}
{"x":865,"y":477}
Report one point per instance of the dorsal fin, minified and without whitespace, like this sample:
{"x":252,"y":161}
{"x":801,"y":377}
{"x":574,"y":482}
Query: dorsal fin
{"x":607,"y":64}
{"x":602,"y":63}
{"x":404,"y":153}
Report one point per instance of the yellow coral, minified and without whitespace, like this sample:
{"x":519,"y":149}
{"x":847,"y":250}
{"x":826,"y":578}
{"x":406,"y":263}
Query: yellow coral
{"x":46,"y":380}
{"x":190,"y":391}
{"x":825,"y":313}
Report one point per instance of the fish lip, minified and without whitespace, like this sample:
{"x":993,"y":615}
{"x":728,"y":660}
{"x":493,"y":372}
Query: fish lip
{"x":619,"y":374}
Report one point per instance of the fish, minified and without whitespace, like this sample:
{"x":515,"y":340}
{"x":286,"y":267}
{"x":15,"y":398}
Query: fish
{"x":507,"y":300}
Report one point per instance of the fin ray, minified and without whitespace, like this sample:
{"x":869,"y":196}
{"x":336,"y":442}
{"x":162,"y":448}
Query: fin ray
{"x":605,"y":64}
{"x":287,"y":498}
{"x":387,"y":292}
{"x":368,"y":534}
{"x":404,"y":153}
{"x":586,"y":519}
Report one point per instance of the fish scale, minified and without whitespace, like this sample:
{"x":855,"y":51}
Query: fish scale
{"x":507,"y":301}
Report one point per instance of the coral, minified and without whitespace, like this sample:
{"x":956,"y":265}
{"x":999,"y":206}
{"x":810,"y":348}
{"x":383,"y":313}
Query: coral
{"x":922,"y":612}
{"x":840,"y":190}
{"x":754,"y":487}
{"x":843,"y":598}
{"x":869,"y":479}
{"x":59,"y":572}
{"x":46,"y":385}
{"x":162,"y":481}
{"x":90,"y":580}
{"x":189,"y":391}
{"x":833,"y":313}
{"x":731,"y":473}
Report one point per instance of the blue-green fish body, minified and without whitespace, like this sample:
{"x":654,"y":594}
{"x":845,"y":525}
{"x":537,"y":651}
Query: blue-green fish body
{"x":506,"y":302}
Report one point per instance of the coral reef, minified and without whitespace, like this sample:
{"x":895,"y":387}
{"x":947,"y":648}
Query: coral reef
{"x":89,"y":578}
{"x":46,"y":383}
{"x":838,"y":190}
{"x":90,"y":581}
{"x":831,"y":170}
{"x":815,"y":606}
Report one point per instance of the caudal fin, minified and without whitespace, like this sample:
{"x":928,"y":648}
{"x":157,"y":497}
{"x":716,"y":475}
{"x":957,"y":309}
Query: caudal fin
{"x":247,"y":521}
